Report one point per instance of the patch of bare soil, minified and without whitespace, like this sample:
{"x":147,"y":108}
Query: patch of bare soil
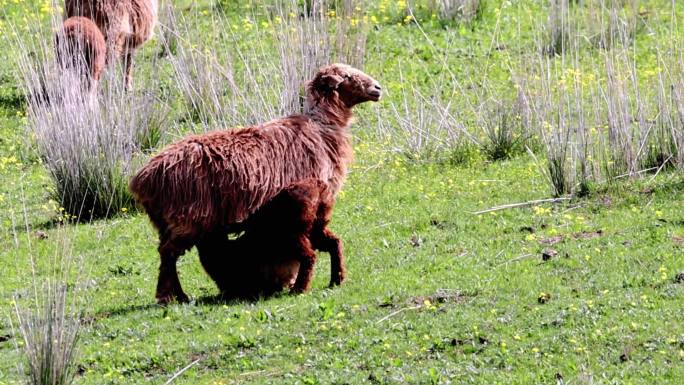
{"x":588,"y":234}
{"x":442,"y":296}
{"x":678,"y":240}
{"x":551,"y":240}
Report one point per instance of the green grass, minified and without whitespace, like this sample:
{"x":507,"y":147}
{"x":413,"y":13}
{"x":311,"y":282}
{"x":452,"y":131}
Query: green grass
{"x":409,"y":237}
{"x":435,"y":294}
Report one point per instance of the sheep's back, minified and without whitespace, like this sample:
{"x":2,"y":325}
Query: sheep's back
{"x":143,"y":18}
{"x":220,"y":178}
{"x":135,"y":19}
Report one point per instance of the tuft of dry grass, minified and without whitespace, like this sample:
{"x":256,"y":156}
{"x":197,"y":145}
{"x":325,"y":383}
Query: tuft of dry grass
{"x":456,"y":9}
{"x":422,"y":124}
{"x":609,"y":121}
{"x":239,"y":87}
{"x":88,"y":139}
{"x":49,"y":331}
{"x":48,"y":311}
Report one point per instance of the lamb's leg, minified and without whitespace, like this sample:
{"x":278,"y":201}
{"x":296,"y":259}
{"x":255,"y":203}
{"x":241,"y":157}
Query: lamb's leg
{"x":214,"y":253}
{"x":128,"y":66}
{"x":307,"y":261}
{"x":326,"y":240}
{"x":168,"y":284}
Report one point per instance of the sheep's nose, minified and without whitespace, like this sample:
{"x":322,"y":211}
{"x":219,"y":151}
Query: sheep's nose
{"x":375,"y":91}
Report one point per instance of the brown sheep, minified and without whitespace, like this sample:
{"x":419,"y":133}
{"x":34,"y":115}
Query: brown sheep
{"x":216,"y":180}
{"x":80,"y":46}
{"x":126,"y":25}
{"x":266,"y":257}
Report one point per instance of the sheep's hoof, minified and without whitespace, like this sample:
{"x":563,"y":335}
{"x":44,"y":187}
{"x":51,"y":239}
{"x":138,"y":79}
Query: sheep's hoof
{"x":182,"y":298}
{"x":336,"y":281}
{"x":298,"y":290}
{"x":165,"y":299}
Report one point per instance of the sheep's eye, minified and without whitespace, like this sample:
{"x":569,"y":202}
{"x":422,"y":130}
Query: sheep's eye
{"x":347,"y":77}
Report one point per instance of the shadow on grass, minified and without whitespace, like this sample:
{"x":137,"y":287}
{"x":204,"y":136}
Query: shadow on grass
{"x":121,"y":311}
{"x":49,"y":224}
{"x":11,"y":99}
{"x":204,"y":300}
{"x":41,"y":224}
{"x":218,"y":299}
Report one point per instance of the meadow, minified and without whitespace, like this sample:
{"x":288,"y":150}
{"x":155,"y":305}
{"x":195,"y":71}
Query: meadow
{"x":488,"y":103}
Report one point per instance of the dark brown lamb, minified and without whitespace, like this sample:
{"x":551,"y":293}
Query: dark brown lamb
{"x":125,"y":24}
{"x":217,"y":180}
{"x":80,"y":46}
{"x":265,"y":259}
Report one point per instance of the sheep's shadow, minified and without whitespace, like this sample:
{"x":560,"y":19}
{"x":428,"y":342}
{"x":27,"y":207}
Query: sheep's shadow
{"x":219,"y":299}
{"x":54,"y":222}
{"x":203,"y":300}
{"x":122,"y":311}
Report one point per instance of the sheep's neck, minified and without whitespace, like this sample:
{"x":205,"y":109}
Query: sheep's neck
{"x":331,"y":113}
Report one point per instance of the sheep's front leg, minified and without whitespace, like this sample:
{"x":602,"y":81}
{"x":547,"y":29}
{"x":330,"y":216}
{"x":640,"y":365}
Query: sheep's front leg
{"x":168,"y":284}
{"x":307,"y":261}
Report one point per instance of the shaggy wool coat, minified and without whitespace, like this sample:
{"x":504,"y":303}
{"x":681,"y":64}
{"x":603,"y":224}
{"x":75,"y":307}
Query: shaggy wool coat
{"x":125,"y":24}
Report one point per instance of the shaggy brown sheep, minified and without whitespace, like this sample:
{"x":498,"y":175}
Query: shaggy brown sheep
{"x":126,"y":25}
{"x":216,"y":180}
{"x":80,"y":46}
{"x":266,"y":258}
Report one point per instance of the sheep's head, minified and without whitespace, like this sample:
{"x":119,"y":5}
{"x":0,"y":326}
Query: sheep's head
{"x":349,"y":84}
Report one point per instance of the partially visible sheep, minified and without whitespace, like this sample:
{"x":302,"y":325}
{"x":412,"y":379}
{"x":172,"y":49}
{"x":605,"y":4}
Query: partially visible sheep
{"x":217,"y":180}
{"x":126,"y":25}
{"x":80,"y":47}
{"x":266,"y":258}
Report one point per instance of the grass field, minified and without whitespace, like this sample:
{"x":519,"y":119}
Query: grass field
{"x":436,"y":293}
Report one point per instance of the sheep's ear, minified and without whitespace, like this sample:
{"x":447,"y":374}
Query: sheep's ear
{"x":331,"y":82}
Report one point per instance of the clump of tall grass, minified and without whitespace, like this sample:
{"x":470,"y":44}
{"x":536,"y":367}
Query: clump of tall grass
{"x":558,"y":26}
{"x":48,"y":314}
{"x":665,"y":145}
{"x":87,"y":139}
{"x":604,"y":116}
{"x":611,"y":24}
{"x":424,"y":125}
{"x":504,"y":129}
{"x":602,"y":24}
{"x":49,"y":331}
{"x":456,"y":9}
{"x":248,"y":84}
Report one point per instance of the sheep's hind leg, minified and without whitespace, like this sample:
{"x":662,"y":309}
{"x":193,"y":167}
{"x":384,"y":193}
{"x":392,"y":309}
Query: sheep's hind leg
{"x":307,"y":260}
{"x":168,"y":284}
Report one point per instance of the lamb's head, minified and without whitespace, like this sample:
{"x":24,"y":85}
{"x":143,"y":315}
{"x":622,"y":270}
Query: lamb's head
{"x":279,"y":275}
{"x":350,"y":85}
